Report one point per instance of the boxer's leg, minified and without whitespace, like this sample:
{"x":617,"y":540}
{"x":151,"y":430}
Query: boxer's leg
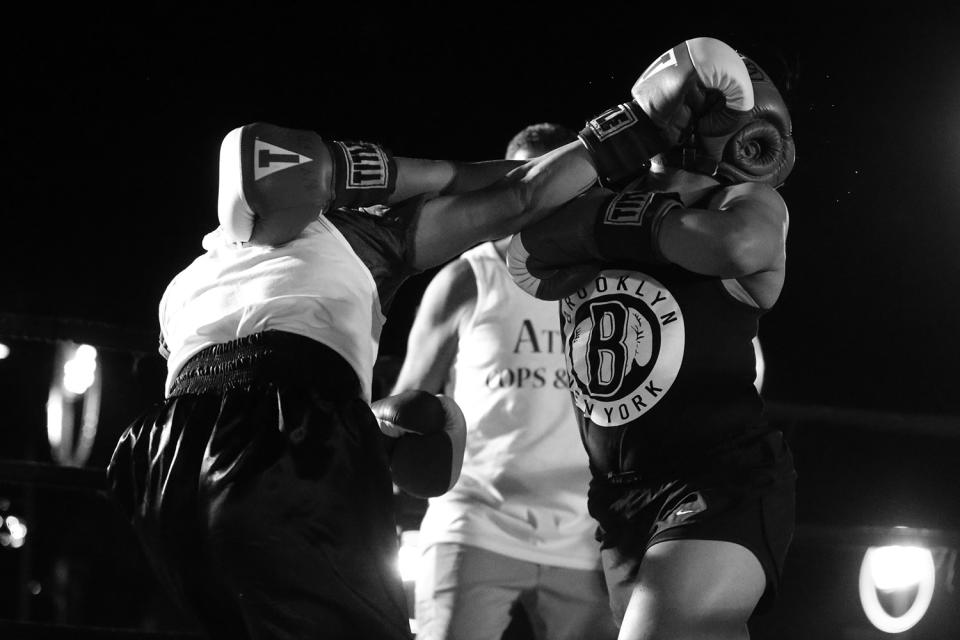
{"x":466,"y":593}
{"x":571,"y":604}
{"x":300,"y":528}
{"x":693,"y":590}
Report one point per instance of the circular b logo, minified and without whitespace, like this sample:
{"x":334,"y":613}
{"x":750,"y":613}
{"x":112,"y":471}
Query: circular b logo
{"x":623,"y":341}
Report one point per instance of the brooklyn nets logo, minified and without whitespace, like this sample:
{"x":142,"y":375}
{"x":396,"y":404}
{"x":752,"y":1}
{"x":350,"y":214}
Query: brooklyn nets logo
{"x":623,"y":340}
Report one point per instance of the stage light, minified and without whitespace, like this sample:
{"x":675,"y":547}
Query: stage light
{"x":55,"y":418}
{"x":13,"y":532}
{"x":897,"y":571}
{"x":4,"y":351}
{"x":80,"y":370}
{"x":73,"y":405}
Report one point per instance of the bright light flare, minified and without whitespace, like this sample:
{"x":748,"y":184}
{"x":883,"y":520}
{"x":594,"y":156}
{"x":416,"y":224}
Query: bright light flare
{"x":79,"y":372}
{"x":4,"y":351}
{"x":55,"y":418}
{"x":409,"y":560}
{"x":73,"y":404}
{"x":893,"y":569}
{"x":896,"y":567}
{"x":13,"y":532}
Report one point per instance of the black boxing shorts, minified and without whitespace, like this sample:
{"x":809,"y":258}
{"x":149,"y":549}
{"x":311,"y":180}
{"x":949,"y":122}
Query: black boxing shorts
{"x":262,"y":497}
{"x":746,"y":496}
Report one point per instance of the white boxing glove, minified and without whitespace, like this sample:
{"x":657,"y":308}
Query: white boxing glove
{"x":275,"y":181}
{"x":699,"y":87}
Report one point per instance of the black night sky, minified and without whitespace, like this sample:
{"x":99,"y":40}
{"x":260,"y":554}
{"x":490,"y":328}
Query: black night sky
{"x":113,"y":123}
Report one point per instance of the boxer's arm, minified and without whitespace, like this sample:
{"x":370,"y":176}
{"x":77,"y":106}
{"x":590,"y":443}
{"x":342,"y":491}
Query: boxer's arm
{"x":274,"y":181}
{"x":447,"y":302}
{"x":448,"y":225}
{"x":418,"y":176}
{"x":742,"y":238}
{"x":743,"y":233}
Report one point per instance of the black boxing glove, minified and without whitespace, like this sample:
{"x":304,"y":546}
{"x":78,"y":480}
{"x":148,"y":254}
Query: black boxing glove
{"x":554,"y":257}
{"x":427,"y":437}
{"x":763,"y":150}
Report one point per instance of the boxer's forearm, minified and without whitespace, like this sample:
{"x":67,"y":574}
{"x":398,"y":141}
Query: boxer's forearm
{"x":471,"y":176}
{"x":548,"y":181}
{"x":417,"y":176}
{"x":447,"y":303}
{"x":448,"y":225}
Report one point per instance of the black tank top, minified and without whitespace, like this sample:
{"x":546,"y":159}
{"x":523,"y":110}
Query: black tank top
{"x":661,"y":365}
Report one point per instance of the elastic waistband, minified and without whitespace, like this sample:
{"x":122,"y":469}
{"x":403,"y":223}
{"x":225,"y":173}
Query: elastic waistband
{"x":269,"y":357}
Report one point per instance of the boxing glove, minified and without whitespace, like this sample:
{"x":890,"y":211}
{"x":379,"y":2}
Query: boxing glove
{"x":700,"y":86}
{"x":274,"y":181}
{"x":761,"y":150}
{"x":428,"y":435}
{"x":554,"y":257}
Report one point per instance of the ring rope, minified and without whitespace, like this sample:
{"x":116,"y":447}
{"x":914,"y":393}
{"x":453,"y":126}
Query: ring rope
{"x":52,"y":475}
{"x":40,"y":631}
{"x":102,"y":335}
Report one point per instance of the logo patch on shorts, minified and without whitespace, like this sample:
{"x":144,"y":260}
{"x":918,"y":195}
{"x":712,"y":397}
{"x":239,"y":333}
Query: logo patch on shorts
{"x":367,"y":165}
{"x":692,"y":505}
{"x":623,"y":341}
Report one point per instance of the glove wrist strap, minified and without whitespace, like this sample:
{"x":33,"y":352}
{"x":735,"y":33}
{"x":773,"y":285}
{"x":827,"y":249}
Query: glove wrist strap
{"x":628,"y":228}
{"x":621,"y":142}
{"x":365,"y":174}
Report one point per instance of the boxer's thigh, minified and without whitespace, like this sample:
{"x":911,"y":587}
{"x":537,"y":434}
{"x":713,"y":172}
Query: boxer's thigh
{"x":693,"y":588}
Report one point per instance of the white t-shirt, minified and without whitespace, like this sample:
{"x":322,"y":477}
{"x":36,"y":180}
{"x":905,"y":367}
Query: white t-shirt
{"x":523,"y":489}
{"x":315,"y":286}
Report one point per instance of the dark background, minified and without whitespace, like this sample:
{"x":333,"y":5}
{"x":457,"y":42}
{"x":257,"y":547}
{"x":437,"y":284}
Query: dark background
{"x":114,"y":123}
{"x":110,"y":138}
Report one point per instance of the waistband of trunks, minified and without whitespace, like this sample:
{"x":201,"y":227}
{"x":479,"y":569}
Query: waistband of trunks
{"x":269,"y":357}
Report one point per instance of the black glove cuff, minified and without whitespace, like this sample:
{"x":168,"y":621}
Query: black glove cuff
{"x":628,"y":228}
{"x":621,"y":142}
{"x":365,"y":174}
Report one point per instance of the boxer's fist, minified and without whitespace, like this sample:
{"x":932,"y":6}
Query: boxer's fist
{"x":430,"y":435}
{"x":554,"y":257}
{"x":274,"y":181}
{"x":700,"y":86}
